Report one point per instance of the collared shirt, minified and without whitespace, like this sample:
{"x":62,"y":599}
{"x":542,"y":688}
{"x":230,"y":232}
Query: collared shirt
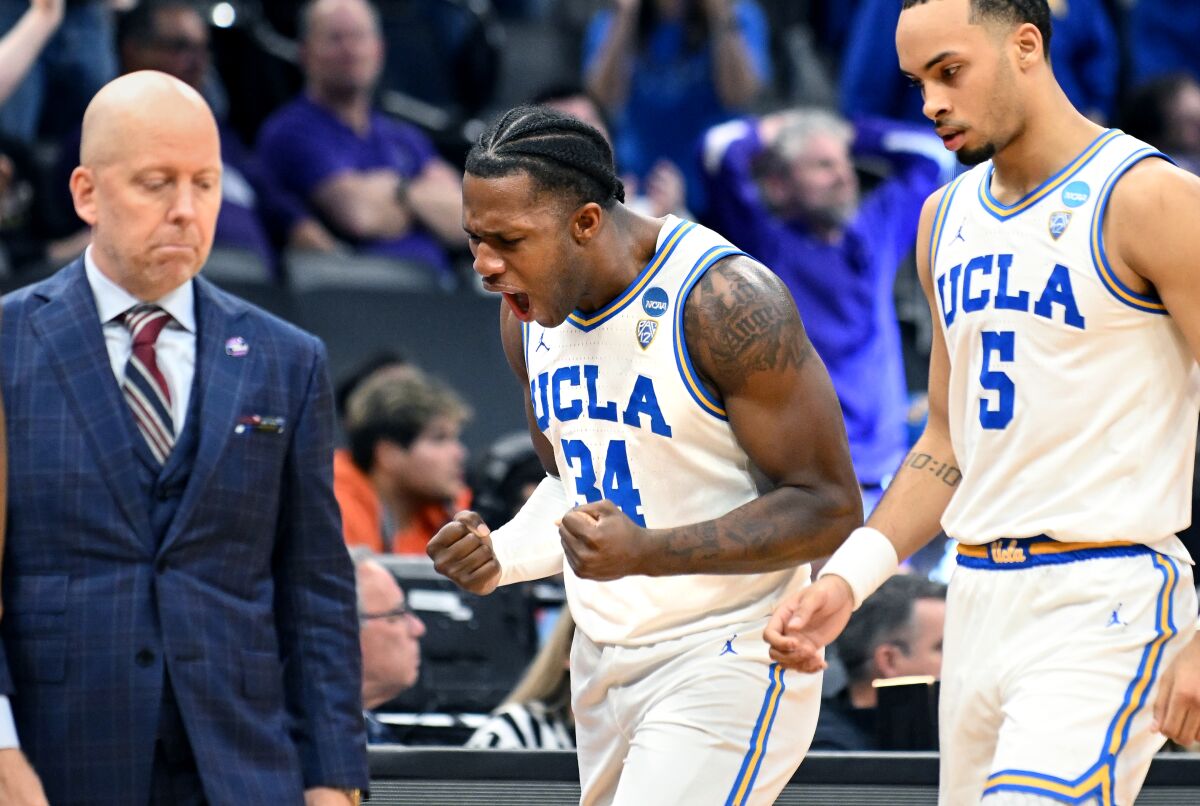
{"x":175,"y":349}
{"x":176,"y":355}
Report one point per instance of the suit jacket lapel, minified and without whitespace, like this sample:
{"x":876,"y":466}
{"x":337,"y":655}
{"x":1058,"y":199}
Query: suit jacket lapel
{"x":70,"y":329}
{"x":219,"y":380}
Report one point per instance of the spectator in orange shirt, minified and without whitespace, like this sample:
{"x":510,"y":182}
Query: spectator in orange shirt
{"x":402,"y":477}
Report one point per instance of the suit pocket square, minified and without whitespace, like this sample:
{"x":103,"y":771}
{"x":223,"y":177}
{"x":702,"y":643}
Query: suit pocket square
{"x":261,"y":424}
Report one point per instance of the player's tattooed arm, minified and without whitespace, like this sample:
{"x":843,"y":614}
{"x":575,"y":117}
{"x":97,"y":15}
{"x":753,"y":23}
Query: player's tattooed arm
{"x":746,"y":341}
{"x":740,"y":320}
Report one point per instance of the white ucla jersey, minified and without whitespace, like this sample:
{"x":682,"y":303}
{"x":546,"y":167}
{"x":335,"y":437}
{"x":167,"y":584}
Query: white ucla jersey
{"x":615,"y":393}
{"x":1073,"y":400}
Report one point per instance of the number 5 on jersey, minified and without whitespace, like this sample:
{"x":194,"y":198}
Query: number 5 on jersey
{"x":615,"y":477}
{"x":998,"y":347}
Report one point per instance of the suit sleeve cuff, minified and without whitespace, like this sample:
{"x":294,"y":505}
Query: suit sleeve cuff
{"x":8,"y":728}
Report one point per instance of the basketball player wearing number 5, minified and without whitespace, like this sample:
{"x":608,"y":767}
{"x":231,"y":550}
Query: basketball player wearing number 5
{"x":661,"y":367}
{"x":1063,"y":276}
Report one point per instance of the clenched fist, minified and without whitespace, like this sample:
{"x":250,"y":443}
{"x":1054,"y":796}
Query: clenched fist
{"x":462,"y":552}
{"x":602,"y":543}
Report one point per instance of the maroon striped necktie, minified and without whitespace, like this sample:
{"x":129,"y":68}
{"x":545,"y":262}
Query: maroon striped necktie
{"x":144,"y":387}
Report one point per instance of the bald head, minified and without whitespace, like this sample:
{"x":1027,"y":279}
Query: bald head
{"x":149,"y":182}
{"x":389,"y":633}
{"x":128,"y":108}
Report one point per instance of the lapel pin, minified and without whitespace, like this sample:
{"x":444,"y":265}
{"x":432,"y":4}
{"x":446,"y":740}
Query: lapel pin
{"x":236,"y":347}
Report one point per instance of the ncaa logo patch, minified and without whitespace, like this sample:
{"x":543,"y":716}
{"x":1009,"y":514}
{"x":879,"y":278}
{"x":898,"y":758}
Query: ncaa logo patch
{"x":1076,"y":194}
{"x":654,"y":301}
{"x":1058,"y":223}
{"x":646,"y":330}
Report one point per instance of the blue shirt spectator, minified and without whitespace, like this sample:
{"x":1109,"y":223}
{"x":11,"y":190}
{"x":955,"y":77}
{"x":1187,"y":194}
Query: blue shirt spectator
{"x":303,"y":145}
{"x":1162,"y":38}
{"x":784,"y":189}
{"x":670,"y":89}
{"x":1083,"y":53}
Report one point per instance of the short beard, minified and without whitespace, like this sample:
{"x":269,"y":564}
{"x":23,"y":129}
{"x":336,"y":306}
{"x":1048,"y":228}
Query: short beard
{"x":974,"y":156}
{"x":827,"y":217}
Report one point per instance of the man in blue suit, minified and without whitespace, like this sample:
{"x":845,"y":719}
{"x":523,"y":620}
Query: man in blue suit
{"x":179,"y":614}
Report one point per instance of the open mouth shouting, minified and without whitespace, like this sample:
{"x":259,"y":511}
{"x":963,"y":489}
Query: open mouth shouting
{"x":520,"y":305}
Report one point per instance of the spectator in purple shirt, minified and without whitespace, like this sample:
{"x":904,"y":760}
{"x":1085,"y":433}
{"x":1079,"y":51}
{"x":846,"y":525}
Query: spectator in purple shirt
{"x":375,"y":182}
{"x":784,"y":189}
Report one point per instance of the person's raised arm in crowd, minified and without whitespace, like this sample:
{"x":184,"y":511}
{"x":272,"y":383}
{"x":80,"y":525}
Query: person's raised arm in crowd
{"x":607,"y":79}
{"x":736,"y":78}
{"x":21,"y":45}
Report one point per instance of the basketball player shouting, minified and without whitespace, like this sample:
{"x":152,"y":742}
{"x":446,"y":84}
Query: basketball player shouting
{"x":663,"y":368}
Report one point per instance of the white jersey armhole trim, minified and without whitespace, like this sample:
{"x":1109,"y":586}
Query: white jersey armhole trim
{"x":939,"y":220}
{"x":1108,"y":278}
{"x":683,"y":361}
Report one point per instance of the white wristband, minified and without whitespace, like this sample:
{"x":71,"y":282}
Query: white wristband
{"x":528,"y":547}
{"x":865,"y":561}
{"x":8,"y":728}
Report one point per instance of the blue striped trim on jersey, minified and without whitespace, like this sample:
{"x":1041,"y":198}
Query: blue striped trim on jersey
{"x":939,"y":220}
{"x":1014,"y":553}
{"x":586,"y":321}
{"x":683,"y":360}
{"x":1003,"y":212}
{"x":1100,"y":779}
{"x":1109,"y":278}
{"x":743,"y":784}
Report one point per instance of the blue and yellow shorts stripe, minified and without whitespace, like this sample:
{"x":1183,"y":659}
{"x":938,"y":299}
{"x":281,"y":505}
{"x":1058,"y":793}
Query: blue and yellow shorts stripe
{"x":1098,"y":784}
{"x":1027,"y":552}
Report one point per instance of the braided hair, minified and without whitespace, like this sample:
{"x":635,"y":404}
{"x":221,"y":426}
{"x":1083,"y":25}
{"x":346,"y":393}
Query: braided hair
{"x":561,"y":154}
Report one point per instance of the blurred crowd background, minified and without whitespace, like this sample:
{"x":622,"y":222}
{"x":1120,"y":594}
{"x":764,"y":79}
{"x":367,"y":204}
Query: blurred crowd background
{"x":783,"y":124}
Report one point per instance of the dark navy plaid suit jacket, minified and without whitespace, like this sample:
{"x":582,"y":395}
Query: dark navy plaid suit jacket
{"x":248,"y":598}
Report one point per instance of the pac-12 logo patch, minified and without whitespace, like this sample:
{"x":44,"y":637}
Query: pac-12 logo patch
{"x":654,"y":301}
{"x":646,"y":329}
{"x":1058,"y":223}
{"x":1076,"y":194}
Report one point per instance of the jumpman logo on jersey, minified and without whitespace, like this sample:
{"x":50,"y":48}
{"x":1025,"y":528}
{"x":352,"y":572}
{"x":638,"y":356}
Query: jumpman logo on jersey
{"x":1115,"y":619}
{"x":959,"y":236}
{"x":729,"y":650}
{"x":542,"y":343}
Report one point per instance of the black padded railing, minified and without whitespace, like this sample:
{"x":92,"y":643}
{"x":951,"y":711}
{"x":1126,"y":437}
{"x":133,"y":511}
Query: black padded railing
{"x":455,"y":777}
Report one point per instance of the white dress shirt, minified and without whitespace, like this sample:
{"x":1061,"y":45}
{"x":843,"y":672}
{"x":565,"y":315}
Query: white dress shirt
{"x":175,"y":349}
{"x":175,"y":352}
